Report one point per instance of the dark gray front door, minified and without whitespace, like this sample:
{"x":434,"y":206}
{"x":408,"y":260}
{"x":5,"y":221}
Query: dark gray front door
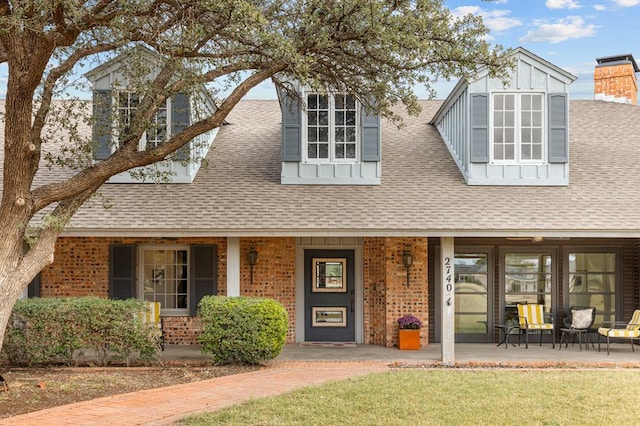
{"x":329,"y":295}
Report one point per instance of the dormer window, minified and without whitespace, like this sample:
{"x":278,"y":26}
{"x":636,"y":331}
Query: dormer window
{"x":329,"y":139}
{"x":518,"y":128}
{"x":332,"y":128}
{"x":513,"y":133}
{"x":158,"y":129}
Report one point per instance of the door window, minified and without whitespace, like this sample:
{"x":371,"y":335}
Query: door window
{"x":471,"y":293}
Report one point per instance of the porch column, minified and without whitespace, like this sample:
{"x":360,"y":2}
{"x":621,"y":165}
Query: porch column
{"x":447,"y":302}
{"x":233,"y":266}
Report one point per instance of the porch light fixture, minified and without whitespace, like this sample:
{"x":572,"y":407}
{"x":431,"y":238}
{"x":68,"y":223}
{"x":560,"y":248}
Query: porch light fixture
{"x":252,"y":258}
{"x":407,"y":261}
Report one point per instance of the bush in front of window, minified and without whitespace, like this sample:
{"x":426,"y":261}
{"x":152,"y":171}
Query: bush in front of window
{"x":242,"y":329}
{"x":71,"y":330}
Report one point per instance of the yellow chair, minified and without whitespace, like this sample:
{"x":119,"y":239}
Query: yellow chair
{"x":621,"y":330}
{"x":152,"y":316}
{"x":531,"y":318}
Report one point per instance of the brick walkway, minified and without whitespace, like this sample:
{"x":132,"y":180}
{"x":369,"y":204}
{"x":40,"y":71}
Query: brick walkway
{"x":167,"y":405}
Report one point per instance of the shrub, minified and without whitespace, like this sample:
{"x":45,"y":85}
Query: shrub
{"x":56,"y":330}
{"x":242,"y":329}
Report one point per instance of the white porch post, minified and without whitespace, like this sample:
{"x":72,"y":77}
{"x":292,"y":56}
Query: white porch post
{"x":447,"y":302}
{"x":233,"y":266}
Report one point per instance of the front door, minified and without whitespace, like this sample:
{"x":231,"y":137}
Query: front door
{"x":329,"y":295}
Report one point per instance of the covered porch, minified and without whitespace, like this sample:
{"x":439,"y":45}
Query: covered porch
{"x":466,"y":354}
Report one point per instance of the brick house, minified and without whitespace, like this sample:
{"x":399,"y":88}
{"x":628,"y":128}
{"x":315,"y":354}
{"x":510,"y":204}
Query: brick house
{"x":349,"y":221}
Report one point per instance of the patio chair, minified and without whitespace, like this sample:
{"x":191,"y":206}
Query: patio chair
{"x":531,"y":318}
{"x":579,"y":322}
{"x":621,"y":330}
{"x":152,"y":315}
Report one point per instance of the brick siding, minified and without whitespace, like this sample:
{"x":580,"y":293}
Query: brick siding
{"x":617,"y":80}
{"x":387,"y":296}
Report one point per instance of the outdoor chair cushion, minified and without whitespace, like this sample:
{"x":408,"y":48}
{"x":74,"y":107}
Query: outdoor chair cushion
{"x":531,"y":316}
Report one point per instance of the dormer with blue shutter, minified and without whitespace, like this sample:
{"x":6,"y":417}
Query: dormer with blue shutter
{"x":331,"y":140}
{"x":115,"y":101}
{"x":510,"y":134}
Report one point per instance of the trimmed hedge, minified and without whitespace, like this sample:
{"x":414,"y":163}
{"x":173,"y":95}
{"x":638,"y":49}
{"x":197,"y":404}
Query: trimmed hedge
{"x":242,"y":329}
{"x":57,"y":330}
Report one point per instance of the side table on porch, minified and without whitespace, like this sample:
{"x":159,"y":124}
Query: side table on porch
{"x":572,"y":332}
{"x":506,"y":330}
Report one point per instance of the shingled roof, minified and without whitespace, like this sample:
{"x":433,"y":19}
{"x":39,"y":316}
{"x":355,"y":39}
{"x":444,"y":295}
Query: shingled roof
{"x":422,"y":192}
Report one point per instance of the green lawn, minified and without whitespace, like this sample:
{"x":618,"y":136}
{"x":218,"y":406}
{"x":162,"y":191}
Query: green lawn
{"x":451,"y":397}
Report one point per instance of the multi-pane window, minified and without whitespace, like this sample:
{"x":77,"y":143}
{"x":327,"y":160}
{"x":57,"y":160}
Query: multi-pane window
{"x":331,"y":127}
{"x":156,"y":132}
{"x":517,"y":127}
{"x":165,"y":276}
{"x":592,"y":282}
{"x":527,"y":280}
{"x":127,"y":105}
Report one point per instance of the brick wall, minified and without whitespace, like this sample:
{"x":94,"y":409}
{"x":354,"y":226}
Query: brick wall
{"x":274,"y":274}
{"x":616,"y":80}
{"x":181,"y":330}
{"x":387,"y":295}
{"x":81,"y":268}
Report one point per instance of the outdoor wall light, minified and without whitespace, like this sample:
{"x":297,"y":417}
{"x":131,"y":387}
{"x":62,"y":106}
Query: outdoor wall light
{"x":252,"y":258}
{"x":407,"y":261}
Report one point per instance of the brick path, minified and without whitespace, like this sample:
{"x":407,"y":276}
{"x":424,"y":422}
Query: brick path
{"x":169,"y":404}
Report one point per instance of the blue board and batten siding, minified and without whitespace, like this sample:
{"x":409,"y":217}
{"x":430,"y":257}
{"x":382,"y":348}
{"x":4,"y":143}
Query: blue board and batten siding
{"x":464,"y":122}
{"x":367,"y":171}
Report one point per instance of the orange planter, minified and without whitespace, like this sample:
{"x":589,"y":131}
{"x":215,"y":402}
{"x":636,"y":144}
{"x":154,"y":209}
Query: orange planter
{"x":409,"y":339}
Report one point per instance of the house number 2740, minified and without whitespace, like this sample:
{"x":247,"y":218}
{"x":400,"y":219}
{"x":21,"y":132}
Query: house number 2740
{"x":448,"y":276}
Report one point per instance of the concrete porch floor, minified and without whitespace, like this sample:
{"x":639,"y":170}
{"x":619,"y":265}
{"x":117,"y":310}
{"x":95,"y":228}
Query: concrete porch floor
{"x":621,"y":354}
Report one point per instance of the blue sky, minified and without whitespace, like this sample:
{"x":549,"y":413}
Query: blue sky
{"x":568,"y":33}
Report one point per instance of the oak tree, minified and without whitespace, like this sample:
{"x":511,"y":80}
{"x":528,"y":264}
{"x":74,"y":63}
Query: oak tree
{"x":376,"y":50}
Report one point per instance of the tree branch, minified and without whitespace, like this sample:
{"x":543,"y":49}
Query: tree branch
{"x":123,"y":160}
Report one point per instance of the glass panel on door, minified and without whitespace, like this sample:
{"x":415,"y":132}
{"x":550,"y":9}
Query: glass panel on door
{"x":471,"y":294}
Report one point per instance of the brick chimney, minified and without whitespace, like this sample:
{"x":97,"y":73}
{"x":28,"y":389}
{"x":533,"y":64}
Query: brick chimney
{"x":615,"y":79}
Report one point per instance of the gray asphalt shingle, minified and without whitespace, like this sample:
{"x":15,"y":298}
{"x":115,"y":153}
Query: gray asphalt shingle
{"x":422,"y":190}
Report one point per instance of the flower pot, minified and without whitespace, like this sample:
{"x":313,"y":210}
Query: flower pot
{"x":409,"y":339}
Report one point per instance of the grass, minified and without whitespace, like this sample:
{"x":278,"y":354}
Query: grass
{"x":450,"y":397}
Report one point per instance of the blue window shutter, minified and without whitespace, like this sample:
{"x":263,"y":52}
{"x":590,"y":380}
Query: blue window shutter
{"x":371,"y":147}
{"x":291,"y":129}
{"x":180,"y":120}
{"x":102,"y":124}
{"x":122,"y":271}
{"x":479,"y":128}
{"x":558,"y":128}
{"x":204,"y":274}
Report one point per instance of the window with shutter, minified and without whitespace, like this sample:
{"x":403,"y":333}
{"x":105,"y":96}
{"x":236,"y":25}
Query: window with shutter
{"x":517,"y":128}
{"x":332,"y":123}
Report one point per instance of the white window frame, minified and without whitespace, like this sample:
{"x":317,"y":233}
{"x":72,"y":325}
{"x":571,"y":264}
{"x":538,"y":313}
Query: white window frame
{"x":141,"y":277}
{"x":142,"y":144}
{"x":518,"y":160}
{"x":332,"y":143}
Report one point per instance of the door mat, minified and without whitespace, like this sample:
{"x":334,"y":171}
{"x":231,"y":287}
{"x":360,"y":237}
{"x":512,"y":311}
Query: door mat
{"x":328,"y":345}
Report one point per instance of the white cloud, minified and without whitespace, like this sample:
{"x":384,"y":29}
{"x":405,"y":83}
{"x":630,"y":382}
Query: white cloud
{"x":600,"y":7}
{"x":572,"y":27}
{"x":562,"y":4}
{"x":495,"y":20}
{"x":627,"y":3}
